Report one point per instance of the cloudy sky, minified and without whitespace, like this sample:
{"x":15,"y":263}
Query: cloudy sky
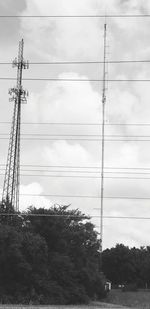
{"x":79,"y":102}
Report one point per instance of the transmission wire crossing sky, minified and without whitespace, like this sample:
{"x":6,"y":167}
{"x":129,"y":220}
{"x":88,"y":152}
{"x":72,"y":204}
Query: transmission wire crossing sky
{"x":58,"y":164}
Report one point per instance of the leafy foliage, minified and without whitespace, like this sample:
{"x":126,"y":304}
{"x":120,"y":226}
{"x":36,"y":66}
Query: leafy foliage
{"x":123,"y":265}
{"x":52,"y":260}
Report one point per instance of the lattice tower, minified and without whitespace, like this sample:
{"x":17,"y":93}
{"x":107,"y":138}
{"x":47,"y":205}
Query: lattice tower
{"x":10,"y":195}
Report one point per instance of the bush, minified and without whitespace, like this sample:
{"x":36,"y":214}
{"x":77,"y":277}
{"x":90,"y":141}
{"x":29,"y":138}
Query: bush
{"x":131,"y":287}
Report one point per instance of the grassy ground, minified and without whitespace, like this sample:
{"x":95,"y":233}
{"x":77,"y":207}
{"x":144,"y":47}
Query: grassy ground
{"x":96,"y":305}
{"x":140,"y":299}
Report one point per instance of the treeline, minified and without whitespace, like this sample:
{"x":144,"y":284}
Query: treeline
{"x":127,"y":266}
{"x":49,"y":259}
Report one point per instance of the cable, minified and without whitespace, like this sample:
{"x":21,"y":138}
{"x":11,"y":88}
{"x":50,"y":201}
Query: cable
{"x":86,"y":177}
{"x":129,"y":173}
{"x":56,"y":139}
{"x":71,"y":135}
{"x":84,"y":167}
{"x":87,"y":196}
{"x":58,"y":166}
{"x":133,"y":168}
{"x":79,"y":16}
{"x":80,"y":139}
{"x":86,"y":217}
{"x":80,"y":176}
{"x":53,"y":123}
{"x":58,"y":195}
{"x":79,"y":124}
{"x":83,"y":172}
{"x":64,"y":176}
{"x":59,"y":171}
{"x":76,"y":79}
{"x":80,"y":135}
{"x":81,"y":62}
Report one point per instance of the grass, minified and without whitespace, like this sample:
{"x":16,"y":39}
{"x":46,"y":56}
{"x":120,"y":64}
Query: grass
{"x":139,"y":299}
{"x":96,"y":305}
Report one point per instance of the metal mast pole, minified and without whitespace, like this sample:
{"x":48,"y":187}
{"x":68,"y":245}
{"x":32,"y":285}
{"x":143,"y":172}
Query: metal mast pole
{"x":102,"y":145}
{"x":10,"y":196}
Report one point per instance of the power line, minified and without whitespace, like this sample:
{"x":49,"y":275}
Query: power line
{"x":76,"y":79}
{"x":84,"y":172}
{"x":86,"y":196}
{"x":59,"y":171}
{"x":129,"y":173}
{"x":85,"y":177}
{"x":84,"y":167}
{"x":80,"y":123}
{"x":79,"y":16}
{"x":73,"y":176}
{"x":60,"y":195}
{"x":58,"y":166}
{"x":80,"y":139}
{"x":54,"y":123}
{"x":82,"y":62}
{"x":133,"y":168}
{"x":57,"y":135}
{"x":77,"y":171}
{"x":85,"y":135}
{"x":71,"y":135}
{"x":86,"y":217}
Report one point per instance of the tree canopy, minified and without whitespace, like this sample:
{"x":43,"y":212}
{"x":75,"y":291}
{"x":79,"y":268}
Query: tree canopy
{"x":124,"y":265}
{"x":53,"y":259}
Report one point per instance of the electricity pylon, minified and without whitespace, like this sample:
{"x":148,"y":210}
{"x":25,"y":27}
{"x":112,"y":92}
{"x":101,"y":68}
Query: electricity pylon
{"x":10,"y":195}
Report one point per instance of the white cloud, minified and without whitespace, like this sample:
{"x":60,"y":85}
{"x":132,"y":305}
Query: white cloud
{"x":67,"y":154}
{"x":62,"y":38}
{"x":38,"y":201}
{"x":65,"y":102}
{"x":82,"y":39}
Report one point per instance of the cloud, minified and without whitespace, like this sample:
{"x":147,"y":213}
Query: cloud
{"x":38,"y":201}
{"x":65,"y":101}
{"x":80,"y":39}
{"x":67,"y":154}
{"x":63,"y":38}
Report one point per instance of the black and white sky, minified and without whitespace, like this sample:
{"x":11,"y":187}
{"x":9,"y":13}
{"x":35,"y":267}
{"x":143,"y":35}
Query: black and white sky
{"x":81,"y":39}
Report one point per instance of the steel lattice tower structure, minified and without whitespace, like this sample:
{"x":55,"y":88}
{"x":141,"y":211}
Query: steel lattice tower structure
{"x":103,"y":147}
{"x":10,"y":195}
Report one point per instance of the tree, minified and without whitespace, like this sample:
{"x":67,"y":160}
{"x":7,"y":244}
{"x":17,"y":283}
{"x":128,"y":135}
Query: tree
{"x":23,"y":264}
{"x":52,"y":260}
{"x":72,"y":248}
{"x":130,"y":266}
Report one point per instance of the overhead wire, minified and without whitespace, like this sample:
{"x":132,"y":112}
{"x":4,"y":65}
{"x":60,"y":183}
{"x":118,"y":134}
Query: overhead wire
{"x":86,"y":196}
{"x":84,"y":167}
{"x":75,"y":79}
{"x":69,"y":216}
{"x":79,"y":16}
{"x":81,"y":176}
{"x":80,"y":135}
{"x":79,"y":139}
{"x":82,"y":62}
{"x":80,"y":123}
{"x":77,"y":171}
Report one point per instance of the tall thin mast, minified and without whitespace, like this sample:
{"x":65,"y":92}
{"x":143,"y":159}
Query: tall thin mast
{"x":102,"y":145}
{"x":10,"y":196}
